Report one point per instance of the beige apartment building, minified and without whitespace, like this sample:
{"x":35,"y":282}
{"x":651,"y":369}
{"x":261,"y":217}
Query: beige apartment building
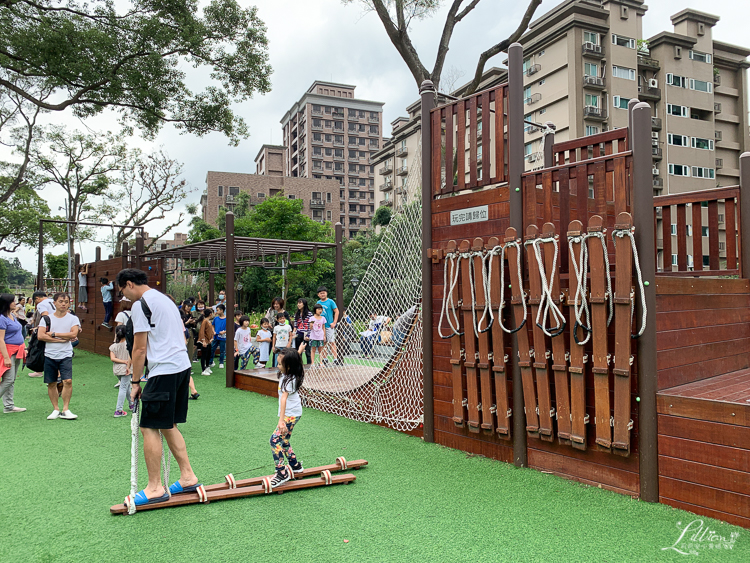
{"x":171,"y":264}
{"x":320,"y":197}
{"x":330,"y":135}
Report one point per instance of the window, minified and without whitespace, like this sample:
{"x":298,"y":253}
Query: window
{"x":623,"y":41}
{"x":592,"y":100}
{"x":679,"y":170}
{"x":678,"y":140}
{"x":700,"y":172}
{"x":679,"y":111}
{"x":701,"y":86}
{"x":706,"y":144}
{"x":591,"y":37}
{"x":233,"y":190}
{"x":329,"y":165}
{"x":526,"y":65}
{"x":221,"y":191}
{"x":590,"y":69}
{"x":352,"y":208}
{"x":328,"y":197}
{"x":363,"y":182}
{"x":353,"y":154}
{"x":526,"y":127}
{"x":526,"y":93}
{"x":338,"y":153}
{"x":338,"y":139}
{"x":317,"y":137}
{"x":352,"y":127}
{"x":591,"y":130}
{"x":677,"y":80}
{"x":328,"y":215}
{"x":541,"y":82}
{"x":316,"y":195}
{"x":674,"y":229}
{"x":700,"y":57}
{"x":352,"y":220}
{"x":706,"y":261}
{"x":704,"y":231}
{"x":261,"y":195}
{"x":291,"y":196}
{"x":620,"y":102}
{"x":674,"y":259}
{"x":353,"y":194}
{"x":317,"y":151}
{"x":543,"y":110}
{"x":623,"y":72}
{"x":527,"y":149}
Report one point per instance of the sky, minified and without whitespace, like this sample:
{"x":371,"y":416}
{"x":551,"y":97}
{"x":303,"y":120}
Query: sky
{"x":328,"y":40}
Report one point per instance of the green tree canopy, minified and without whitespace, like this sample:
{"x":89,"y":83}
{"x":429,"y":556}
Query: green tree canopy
{"x":382,"y":216}
{"x":131,"y":56}
{"x":19,"y":222}
{"x":56,"y":265}
{"x":17,"y":276}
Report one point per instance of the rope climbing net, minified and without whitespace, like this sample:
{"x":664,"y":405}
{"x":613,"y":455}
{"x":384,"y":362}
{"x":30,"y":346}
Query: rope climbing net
{"x":379,"y":346}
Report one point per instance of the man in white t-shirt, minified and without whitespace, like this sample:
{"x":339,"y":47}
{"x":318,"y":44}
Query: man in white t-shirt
{"x":58,"y":354}
{"x":158,"y":338}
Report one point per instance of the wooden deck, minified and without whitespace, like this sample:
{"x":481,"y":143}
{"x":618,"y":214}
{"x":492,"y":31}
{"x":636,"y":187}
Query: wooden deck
{"x":704,"y":447}
{"x":335,"y":379}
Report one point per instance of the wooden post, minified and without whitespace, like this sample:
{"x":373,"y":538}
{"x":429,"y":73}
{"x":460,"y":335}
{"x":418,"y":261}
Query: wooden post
{"x":643,"y":216}
{"x":40,"y":265}
{"x":138,"y":250}
{"x":744,"y":215}
{"x":427,"y":93}
{"x":515,"y":171}
{"x":229,"y":292}
{"x":162,"y":262}
{"x":339,"y":270}
{"x":125,"y":255}
{"x":98,"y":254}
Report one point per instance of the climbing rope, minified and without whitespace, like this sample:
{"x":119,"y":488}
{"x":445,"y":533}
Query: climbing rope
{"x":486,"y":281}
{"x":451,"y":316}
{"x":166,"y":459}
{"x":133,"y":458}
{"x":515,"y":244}
{"x":602,"y":236}
{"x":622,"y":233}
{"x":580,"y":303}
{"x":546,"y":303}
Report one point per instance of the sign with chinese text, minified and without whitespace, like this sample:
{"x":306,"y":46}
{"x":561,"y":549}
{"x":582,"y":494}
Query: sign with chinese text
{"x":470,"y":215}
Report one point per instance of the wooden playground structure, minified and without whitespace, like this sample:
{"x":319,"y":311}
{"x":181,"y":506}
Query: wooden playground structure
{"x":637,"y":381}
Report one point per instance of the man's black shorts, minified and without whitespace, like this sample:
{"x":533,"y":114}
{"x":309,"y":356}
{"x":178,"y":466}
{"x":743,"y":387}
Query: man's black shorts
{"x":164,"y":401}
{"x":52,"y":367}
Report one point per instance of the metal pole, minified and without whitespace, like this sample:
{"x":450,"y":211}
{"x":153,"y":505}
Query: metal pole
{"x":70,"y":248}
{"x":427,"y":93}
{"x":744,"y":215}
{"x":229,"y":292}
{"x":40,"y":265}
{"x":643,"y":217}
{"x":339,"y":269}
{"x":515,"y":171}
{"x":549,"y":141}
{"x":74,"y":293}
{"x":631,"y":106}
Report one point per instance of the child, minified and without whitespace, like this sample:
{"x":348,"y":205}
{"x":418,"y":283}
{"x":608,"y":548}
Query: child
{"x":237,"y":316}
{"x":282,"y":335}
{"x":243,"y":345}
{"x":205,"y":337}
{"x":220,"y":340}
{"x":118,"y":353}
{"x":263,"y":339}
{"x":291,"y":375}
{"x":83,"y":294}
{"x":107,"y":288}
{"x":317,"y":331}
{"x":302,"y":319}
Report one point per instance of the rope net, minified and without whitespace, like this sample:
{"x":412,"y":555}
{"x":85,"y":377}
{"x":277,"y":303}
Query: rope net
{"x":379,"y":341}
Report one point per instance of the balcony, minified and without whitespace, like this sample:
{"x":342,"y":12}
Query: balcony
{"x":593,"y":112}
{"x":386,"y":186}
{"x":401,"y":190}
{"x":649,"y":93}
{"x":317,"y":112}
{"x":317,"y":141}
{"x":533,"y":69}
{"x":658,"y":182}
{"x":656,"y":123}
{"x":718,"y":135}
{"x":339,"y":158}
{"x":593,"y":50}
{"x":717,"y":80}
{"x":316,"y":127}
{"x":338,"y":143}
{"x":374,"y":133}
{"x":353,"y":117}
{"x":648,"y":62}
{"x":374,"y":119}
{"x":353,"y":158}
{"x":656,"y":153}
{"x":534,"y":98}
{"x":719,"y":165}
{"x":337,"y":115}
{"x":593,"y":82}
{"x":386,"y":203}
{"x":353,"y":173}
{"x":371,"y":174}
{"x":317,"y":204}
{"x":402,"y":171}
{"x":230,"y":198}
{"x":717,"y":107}
{"x":386,"y":169}
{"x":402,"y":151}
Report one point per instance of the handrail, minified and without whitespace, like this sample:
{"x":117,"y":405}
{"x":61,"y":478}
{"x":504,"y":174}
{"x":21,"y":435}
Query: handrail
{"x":697,"y":196}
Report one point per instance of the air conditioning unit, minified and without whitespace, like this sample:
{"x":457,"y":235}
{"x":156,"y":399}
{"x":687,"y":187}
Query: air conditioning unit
{"x":653,"y":83}
{"x":533,"y":157}
{"x":654,"y":142}
{"x":655,"y":171}
{"x":654,"y":134}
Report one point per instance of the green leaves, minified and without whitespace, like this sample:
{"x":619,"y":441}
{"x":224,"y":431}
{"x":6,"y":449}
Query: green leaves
{"x":129,"y":56}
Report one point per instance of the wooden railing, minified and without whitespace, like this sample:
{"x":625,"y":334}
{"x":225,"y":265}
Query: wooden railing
{"x":457,"y":136}
{"x":593,"y":146}
{"x":712,"y":232}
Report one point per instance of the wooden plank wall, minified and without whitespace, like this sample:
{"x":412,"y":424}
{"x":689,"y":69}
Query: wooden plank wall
{"x":94,"y":337}
{"x":704,"y":458}
{"x":702,"y":328}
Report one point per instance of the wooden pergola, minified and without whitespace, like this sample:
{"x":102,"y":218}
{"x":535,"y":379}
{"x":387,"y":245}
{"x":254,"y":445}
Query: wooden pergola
{"x":226,"y":254}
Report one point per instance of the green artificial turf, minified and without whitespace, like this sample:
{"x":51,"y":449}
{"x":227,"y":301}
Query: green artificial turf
{"x":415,"y":502}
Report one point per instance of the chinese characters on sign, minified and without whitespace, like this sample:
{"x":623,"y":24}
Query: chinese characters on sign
{"x":470,"y":215}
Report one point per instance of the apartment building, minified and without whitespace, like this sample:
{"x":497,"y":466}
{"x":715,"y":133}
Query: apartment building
{"x":330,"y":135}
{"x":170,"y":264}
{"x":320,"y":196}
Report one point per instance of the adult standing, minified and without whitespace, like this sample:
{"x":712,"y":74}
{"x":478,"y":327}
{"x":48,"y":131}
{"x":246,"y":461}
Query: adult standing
{"x":331,"y":314}
{"x":107,"y":289}
{"x":277,"y":306}
{"x":13,"y":351}
{"x":158,"y":336}
{"x":43,"y":305}
{"x":58,"y":354}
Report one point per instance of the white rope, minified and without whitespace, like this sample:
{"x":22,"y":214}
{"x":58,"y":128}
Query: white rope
{"x":519,"y":248}
{"x":580,"y":303}
{"x":602,"y":236}
{"x":470,"y":257}
{"x":486,"y":281}
{"x":452,"y":260}
{"x":622,"y":233}
{"x":133,"y":457}
{"x":166,"y":459}
{"x":546,"y":303}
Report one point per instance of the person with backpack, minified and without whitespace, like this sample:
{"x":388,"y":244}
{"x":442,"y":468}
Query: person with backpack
{"x":107,"y":290}
{"x":58,"y":331}
{"x":158,"y":338}
{"x":43,"y":305}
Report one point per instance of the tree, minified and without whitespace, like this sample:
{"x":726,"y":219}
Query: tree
{"x":19,"y":222}
{"x":148,"y":188}
{"x":130,"y":56}
{"x":398,"y":15}
{"x":382,"y":216}
{"x":56,"y":265}
{"x":16,"y":275}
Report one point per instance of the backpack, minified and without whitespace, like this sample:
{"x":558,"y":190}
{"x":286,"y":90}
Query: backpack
{"x":130,"y":335}
{"x":35,"y":353}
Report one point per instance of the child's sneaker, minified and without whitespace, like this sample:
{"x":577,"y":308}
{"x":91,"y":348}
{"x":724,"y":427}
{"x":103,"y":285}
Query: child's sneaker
{"x":221,"y":366}
{"x":280,"y":478}
{"x":260,"y":365}
{"x":206,"y":372}
{"x":131,"y":405}
{"x":118,"y":414}
{"x":296,"y":467}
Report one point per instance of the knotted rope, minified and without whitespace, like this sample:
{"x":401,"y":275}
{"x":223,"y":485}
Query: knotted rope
{"x":546,"y":303}
{"x":622,"y":233}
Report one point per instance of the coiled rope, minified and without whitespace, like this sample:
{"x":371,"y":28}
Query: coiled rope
{"x":546,"y":303}
{"x":622,"y":233}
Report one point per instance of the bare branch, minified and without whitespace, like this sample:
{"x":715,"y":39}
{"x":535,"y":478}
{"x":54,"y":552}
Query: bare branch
{"x":502,"y":46}
{"x":451,"y":20}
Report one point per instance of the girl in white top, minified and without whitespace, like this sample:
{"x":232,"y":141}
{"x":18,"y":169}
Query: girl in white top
{"x":291,"y":376}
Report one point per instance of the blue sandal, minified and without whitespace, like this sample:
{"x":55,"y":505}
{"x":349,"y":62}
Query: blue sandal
{"x":175,"y":488}
{"x":141,"y":498}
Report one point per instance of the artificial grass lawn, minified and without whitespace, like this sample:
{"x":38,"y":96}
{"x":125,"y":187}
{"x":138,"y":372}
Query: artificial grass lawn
{"x":415,"y":502}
